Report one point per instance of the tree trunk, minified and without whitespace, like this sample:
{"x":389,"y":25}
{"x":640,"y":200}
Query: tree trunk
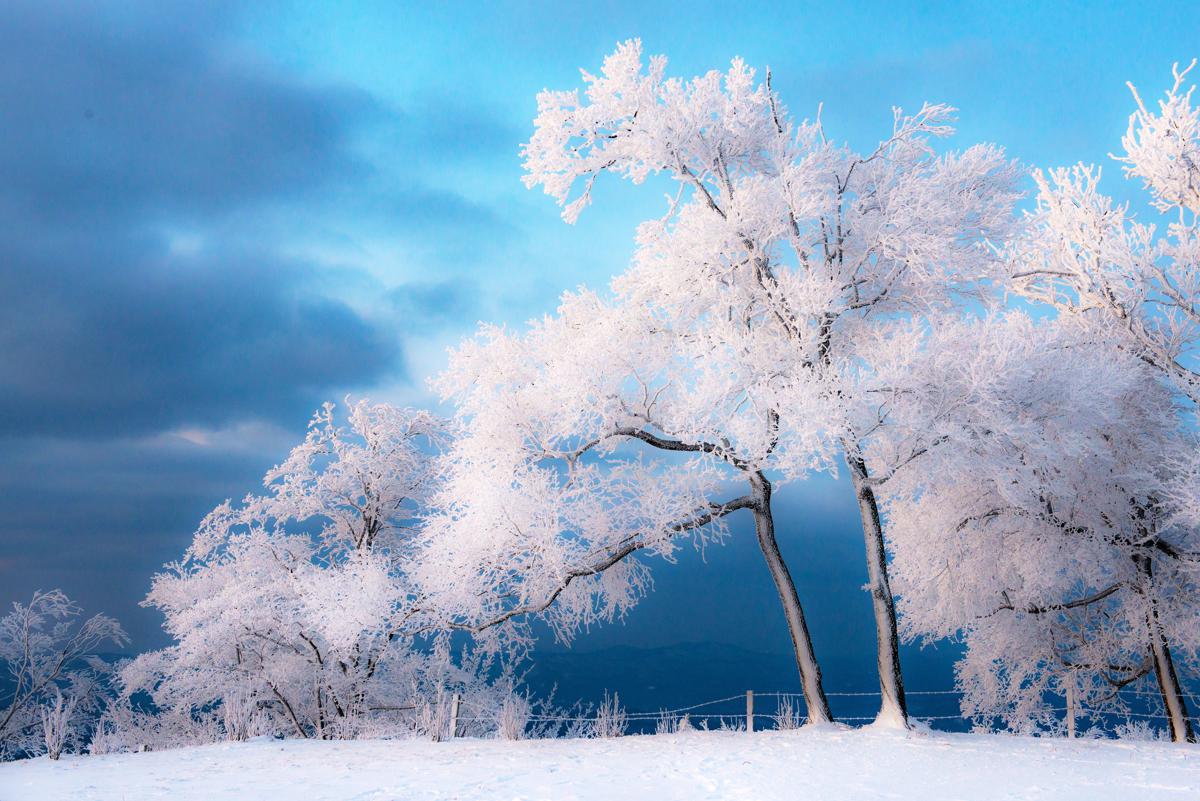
{"x":806,"y":659}
{"x":893,"y":709}
{"x":291,"y":712}
{"x":1173,"y":699}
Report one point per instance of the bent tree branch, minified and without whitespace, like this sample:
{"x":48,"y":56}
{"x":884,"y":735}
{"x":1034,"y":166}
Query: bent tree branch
{"x":1033,"y":609}
{"x":716,"y":511}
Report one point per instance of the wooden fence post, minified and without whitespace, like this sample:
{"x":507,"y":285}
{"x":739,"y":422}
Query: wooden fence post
{"x":454,"y":701}
{"x":1071,"y":706}
{"x":749,"y":711}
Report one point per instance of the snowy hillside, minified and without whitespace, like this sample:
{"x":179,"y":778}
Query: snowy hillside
{"x":696,"y":766}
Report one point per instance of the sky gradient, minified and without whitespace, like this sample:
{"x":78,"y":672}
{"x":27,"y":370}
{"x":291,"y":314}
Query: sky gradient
{"x":215,"y":217}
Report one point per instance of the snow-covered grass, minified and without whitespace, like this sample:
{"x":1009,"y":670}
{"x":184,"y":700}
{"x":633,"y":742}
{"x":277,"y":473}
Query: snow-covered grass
{"x":829,"y":763}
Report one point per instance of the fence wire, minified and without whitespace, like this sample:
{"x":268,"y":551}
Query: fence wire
{"x":734,"y":717}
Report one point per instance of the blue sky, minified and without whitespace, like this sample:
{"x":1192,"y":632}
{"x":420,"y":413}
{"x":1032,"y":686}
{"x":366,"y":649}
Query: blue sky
{"x":214,"y":217}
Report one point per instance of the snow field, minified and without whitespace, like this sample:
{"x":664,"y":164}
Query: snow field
{"x":830,"y":763}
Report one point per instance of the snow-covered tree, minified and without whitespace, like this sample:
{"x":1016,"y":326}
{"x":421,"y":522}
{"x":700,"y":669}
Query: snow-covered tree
{"x":554,"y":483}
{"x":299,"y":603}
{"x":1087,"y":256}
{"x":1040,"y":532}
{"x":49,"y":653}
{"x":1128,"y":281}
{"x":783,"y":253}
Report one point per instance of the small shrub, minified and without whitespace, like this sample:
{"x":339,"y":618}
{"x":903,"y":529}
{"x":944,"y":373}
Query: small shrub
{"x":737,"y":723}
{"x":432,"y":716}
{"x":240,"y":715}
{"x":104,"y":737}
{"x":787,"y":715}
{"x":56,"y":724}
{"x":610,"y":720}
{"x":669,"y":724}
{"x":512,"y":718}
{"x":1140,"y":730}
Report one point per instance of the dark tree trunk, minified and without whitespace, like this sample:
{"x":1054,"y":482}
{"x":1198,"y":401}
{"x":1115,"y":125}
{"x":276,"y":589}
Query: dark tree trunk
{"x":1173,"y":699}
{"x":806,"y":659}
{"x":893,"y":708}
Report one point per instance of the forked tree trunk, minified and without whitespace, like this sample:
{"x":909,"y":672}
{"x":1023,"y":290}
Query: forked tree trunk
{"x":893,"y":708}
{"x":1173,"y":699}
{"x":806,"y":659}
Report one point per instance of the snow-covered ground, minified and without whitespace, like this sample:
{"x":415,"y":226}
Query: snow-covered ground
{"x":855,"y":765}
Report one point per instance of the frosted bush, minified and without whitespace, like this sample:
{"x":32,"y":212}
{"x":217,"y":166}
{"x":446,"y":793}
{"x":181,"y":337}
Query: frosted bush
{"x":240,"y":715}
{"x":1140,"y":730}
{"x":512,"y":718}
{"x":668,"y":723}
{"x":611,"y":719}
{"x":56,"y":724}
{"x":731,"y":724}
{"x":432,"y":716}
{"x":787,"y":715}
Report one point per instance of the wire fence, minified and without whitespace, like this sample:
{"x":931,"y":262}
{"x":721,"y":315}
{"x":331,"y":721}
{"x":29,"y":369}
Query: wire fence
{"x":792,"y":703}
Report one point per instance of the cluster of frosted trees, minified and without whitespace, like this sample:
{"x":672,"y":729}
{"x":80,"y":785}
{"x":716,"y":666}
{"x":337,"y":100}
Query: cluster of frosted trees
{"x":1011,"y":395}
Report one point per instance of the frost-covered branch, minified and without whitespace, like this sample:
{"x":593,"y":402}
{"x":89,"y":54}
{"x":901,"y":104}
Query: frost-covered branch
{"x":46,"y":649}
{"x":607,"y":562}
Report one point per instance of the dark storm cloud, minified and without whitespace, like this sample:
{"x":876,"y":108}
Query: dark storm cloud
{"x":155,"y":181}
{"x":117,"y":130}
{"x":130,"y":341}
{"x":106,"y":118}
{"x":100,"y":518}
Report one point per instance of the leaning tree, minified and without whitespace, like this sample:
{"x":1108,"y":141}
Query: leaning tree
{"x":1094,"y":261}
{"x":614,"y":428}
{"x":1041,"y":533}
{"x":785,"y":257}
